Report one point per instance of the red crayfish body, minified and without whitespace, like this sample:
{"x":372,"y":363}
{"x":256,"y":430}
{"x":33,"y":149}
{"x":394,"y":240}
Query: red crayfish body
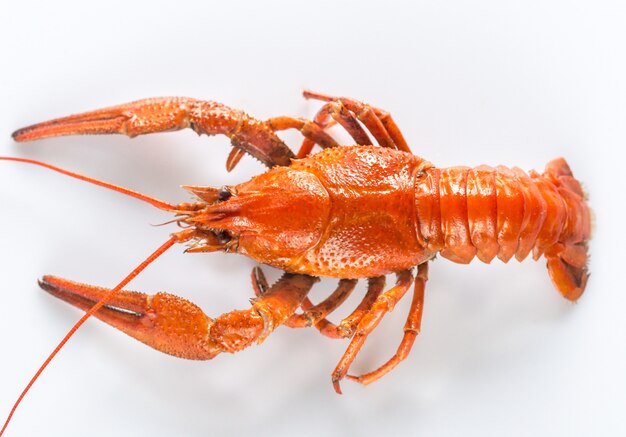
{"x":346,"y":212}
{"x":364,"y":211}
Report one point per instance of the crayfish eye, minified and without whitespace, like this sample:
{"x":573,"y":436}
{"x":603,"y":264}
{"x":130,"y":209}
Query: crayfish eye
{"x":223,"y":237}
{"x":224,"y":194}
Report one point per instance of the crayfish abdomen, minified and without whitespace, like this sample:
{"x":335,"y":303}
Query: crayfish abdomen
{"x":487,"y":212}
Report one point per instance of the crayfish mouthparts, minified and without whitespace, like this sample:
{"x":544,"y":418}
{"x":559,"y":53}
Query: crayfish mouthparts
{"x":211,"y":240}
{"x":199,"y":218}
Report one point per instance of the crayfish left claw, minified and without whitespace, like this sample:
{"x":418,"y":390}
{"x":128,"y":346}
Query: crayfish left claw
{"x":165,"y":322}
{"x":175,"y":326}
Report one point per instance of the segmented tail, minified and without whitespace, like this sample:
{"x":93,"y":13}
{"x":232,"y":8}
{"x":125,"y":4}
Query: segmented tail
{"x":486,"y":212}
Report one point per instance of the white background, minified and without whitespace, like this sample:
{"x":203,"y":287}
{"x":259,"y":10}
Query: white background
{"x":493,"y":82}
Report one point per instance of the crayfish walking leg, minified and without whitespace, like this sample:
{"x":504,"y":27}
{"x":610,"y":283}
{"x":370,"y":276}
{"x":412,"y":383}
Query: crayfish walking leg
{"x":346,"y":111}
{"x":313,"y":314}
{"x":411,"y":330}
{"x":385,"y":303}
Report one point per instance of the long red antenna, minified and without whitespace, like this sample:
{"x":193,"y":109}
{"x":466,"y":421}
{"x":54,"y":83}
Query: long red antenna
{"x":151,"y":200}
{"x":169,"y":243}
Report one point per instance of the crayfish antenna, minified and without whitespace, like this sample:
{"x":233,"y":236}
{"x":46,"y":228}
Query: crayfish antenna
{"x":176,"y":238}
{"x":137,"y":195}
{"x":182,"y":236}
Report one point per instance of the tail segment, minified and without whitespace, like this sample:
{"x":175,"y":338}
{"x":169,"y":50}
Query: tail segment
{"x":567,"y":259}
{"x":487,"y":212}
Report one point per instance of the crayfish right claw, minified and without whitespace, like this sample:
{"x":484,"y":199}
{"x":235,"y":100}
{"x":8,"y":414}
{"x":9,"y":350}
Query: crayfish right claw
{"x":169,"y":114}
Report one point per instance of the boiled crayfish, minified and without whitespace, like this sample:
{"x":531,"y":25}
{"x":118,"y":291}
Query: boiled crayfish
{"x":347,"y":212}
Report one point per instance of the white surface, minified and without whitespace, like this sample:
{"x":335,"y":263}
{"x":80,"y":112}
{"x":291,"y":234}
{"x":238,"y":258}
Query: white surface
{"x":493,"y":82}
